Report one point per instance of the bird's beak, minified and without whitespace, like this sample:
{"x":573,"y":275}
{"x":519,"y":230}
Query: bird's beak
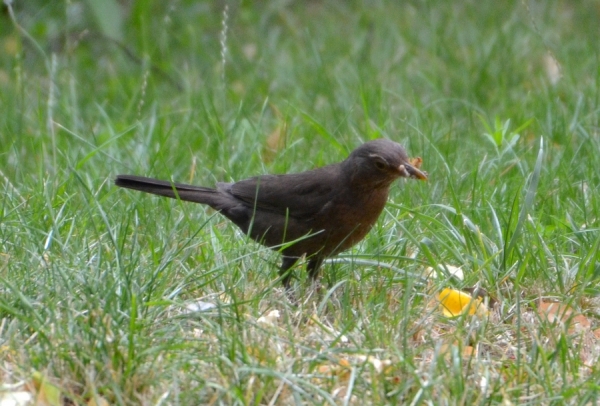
{"x":409,"y":171}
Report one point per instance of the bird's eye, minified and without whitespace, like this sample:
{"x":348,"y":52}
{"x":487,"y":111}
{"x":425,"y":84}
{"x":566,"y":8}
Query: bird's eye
{"x":379,"y":162}
{"x":381,"y":165}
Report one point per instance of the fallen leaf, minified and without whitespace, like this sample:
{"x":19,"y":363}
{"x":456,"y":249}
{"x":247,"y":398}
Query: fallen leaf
{"x":443,"y":269}
{"x":579,"y":323}
{"x":270,"y":319}
{"x":342,"y":393}
{"x":199,"y":306}
{"x":555,"y":312}
{"x":18,"y":398}
{"x":468,"y":351}
{"x":47,"y":393}
{"x":379,"y":365}
{"x":340,"y":370}
{"x":98,"y":401}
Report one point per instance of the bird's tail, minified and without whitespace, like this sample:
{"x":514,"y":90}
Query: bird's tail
{"x":188,"y":193}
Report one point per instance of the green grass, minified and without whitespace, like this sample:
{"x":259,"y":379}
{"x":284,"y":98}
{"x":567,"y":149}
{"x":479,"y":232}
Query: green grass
{"x":94,"y":280}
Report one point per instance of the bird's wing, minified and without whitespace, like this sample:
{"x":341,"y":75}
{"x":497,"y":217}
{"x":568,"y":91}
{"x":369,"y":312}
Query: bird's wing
{"x":300,"y":195}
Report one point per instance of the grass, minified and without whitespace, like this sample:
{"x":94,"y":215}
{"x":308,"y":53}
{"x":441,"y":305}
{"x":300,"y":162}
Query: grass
{"x":499,"y":99}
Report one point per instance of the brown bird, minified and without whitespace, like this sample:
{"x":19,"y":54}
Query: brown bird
{"x":318,"y":213}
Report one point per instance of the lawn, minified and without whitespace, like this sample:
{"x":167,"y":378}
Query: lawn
{"x":109,"y":296}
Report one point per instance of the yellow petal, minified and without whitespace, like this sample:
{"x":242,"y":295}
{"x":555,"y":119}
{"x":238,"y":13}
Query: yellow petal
{"x":454,"y":302}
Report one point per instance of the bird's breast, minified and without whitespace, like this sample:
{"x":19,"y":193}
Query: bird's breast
{"x":350,"y":218}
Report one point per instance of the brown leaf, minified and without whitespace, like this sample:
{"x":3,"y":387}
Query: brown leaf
{"x":98,"y":401}
{"x":560,"y":313}
{"x":416,"y":162}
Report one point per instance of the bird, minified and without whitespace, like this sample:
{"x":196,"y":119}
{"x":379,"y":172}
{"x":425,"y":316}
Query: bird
{"x":318,"y":213}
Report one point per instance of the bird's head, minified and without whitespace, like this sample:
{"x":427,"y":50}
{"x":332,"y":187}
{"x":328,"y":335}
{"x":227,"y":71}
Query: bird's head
{"x":380,"y":162}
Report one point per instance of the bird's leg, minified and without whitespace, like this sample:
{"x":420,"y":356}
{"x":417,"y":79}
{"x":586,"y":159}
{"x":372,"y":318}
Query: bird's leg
{"x":285,"y":272}
{"x":286,"y":275}
{"x":313,"y":267}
